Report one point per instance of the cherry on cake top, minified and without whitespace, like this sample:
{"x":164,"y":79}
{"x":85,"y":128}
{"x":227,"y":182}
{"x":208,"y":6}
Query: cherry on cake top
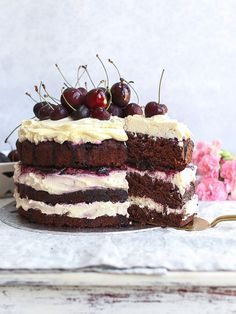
{"x":98,"y":103}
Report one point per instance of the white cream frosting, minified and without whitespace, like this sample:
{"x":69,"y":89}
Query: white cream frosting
{"x":79,"y":131}
{"x":55,"y":183}
{"x":157,"y":126}
{"x":189,"y":207}
{"x":180,"y":179}
{"x":79,"y":210}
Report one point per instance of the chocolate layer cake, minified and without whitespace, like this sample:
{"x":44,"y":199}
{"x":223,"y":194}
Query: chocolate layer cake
{"x":161,"y":181}
{"x":72,"y":173}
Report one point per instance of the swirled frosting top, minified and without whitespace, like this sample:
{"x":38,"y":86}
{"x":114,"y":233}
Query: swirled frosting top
{"x":86,"y":130}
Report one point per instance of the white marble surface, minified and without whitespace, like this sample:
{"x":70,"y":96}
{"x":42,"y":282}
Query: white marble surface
{"x":194,"y":40}
{"x":154,"y":251}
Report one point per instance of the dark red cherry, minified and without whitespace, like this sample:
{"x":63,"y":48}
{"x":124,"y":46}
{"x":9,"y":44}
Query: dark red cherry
{"x":14,"y":156}
{"x":59,"y":113}
{"x":4,"y":158}
{"x":116,"y":111}
{"x":45,"y":111}
{"x":100,"y":113}
{"x":81,"y":113}
{"x":133,"y":109}
{"x":72,"y":98}
{"x":153,"y":108}
{"x":120,"y":94}
{"x":96,"y":97}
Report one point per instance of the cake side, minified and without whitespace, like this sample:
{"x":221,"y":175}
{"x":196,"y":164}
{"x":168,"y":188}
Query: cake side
{"x":76,"y":194}
{"x":109,"y":153}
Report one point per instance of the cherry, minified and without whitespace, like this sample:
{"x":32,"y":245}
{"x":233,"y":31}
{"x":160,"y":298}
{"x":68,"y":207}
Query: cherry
{"x":72,"y":98}
{"x":81,"y":113}
{"x":133,"y":109}
{"x":120,"y":94}
{"x":38,"y":106}
{"x":44,"y":112}
{"x":14,"y":156}
{"x":153,"y":108}
{"x":4,"y":158}
{"x":116,"y":111}
{"x":59,"y":113}
{"x":96,"y":97}
{"x":120,"y":91}
{"x":100,"y":113}
{"x":156,"y":108}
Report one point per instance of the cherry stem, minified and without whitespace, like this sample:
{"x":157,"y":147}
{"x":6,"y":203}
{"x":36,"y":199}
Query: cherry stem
{"x":7,"y":138}
{"x":86,"y":70}
{"x":41,"y":97}
{"x":109,"y":60}
{"x":129,"y":83}
{"x":29,"y":95}
{"x":9,"y":144}
{"x":86,"y":85}
{"x":47,"y":95}
{"x":62,"y":90}
{"x":107,"y":81}
{"x":59,"y":70}
{"x":79,"y":76}
{"x":159,"y":87}
{"x":101,"y":82}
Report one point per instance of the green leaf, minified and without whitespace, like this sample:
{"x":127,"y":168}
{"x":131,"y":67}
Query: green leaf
{"x":226,"y":155}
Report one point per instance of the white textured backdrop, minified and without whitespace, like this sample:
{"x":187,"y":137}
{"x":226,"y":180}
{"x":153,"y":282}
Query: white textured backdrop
{"x":194,"y":40}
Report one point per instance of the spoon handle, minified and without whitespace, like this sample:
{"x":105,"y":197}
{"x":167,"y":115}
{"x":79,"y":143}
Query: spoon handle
{"x":222,"y":218}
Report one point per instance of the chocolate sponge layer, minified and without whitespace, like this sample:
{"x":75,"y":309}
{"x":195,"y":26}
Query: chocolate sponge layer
{"x":161,"y":192}
{"x":88,"y":196}
{"x":36,"y":216}
{"x":145,"y":216}
{"x":109,"y":153}
{"x":149,"y":153}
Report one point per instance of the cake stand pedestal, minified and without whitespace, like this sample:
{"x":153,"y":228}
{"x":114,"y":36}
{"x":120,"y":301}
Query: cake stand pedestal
{"x":63,"y":290}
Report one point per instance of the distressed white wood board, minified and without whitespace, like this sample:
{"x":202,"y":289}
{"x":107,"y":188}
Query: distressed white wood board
{"x":125,"y":300}
{"x":148,"y":252}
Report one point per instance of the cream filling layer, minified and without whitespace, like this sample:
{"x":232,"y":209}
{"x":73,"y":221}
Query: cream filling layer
{"x":79,"y":131}
{"x":157,"y":126}
{"x":188,"y":209}
{"x":181,"y":180}
{"x":79,"y":210}
{"x":55,"y":183}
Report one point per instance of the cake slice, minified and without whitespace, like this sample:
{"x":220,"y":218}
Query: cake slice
{"x":161,"y":181}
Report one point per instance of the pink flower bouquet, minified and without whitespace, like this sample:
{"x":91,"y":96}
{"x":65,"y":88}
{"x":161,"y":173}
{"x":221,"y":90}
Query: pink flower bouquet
{"x":216,"y":172}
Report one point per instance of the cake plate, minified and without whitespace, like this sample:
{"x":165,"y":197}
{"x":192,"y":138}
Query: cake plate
{"x":9,"y":215}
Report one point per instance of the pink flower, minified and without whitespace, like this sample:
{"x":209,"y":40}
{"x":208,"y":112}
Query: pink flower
{"x":210,"y":189}
{"x":209,"y":166}
{"x":204,"y":148}
{"x":228,"y":173}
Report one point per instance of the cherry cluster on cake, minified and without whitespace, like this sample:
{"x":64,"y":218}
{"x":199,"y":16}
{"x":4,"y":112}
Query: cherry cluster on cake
{"x":99,"y":102}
